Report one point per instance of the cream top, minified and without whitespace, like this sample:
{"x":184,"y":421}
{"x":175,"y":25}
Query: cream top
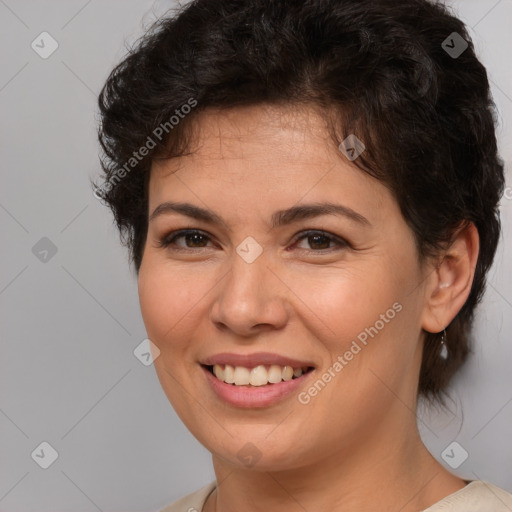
{"x":477,"y":496}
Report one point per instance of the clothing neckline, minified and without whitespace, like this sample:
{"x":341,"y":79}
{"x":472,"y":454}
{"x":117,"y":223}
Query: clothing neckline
{"x":213,"y":485}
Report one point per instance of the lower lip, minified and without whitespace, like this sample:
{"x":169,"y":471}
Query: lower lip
{"x":254,"y":396}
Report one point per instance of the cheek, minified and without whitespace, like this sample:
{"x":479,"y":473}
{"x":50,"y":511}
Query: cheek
{"x":344,"y":302}
{"x":170,"y":301}
{"x":365,"y":316}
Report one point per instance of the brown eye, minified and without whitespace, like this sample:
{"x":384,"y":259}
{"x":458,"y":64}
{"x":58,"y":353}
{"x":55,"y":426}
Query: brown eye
{"x":319,"y":241}
{"x":193,"y":239}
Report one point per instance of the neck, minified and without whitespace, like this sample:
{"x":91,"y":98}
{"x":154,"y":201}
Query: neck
{"x":385,"y":472}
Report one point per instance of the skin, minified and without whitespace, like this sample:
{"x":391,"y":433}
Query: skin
{"x":355,"y":445}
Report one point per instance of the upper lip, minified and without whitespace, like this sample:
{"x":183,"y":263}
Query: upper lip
{"x":255,"y":359}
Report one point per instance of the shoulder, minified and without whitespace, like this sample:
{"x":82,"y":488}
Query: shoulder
{"x":477,"y":496}
{"x":192,"y":502}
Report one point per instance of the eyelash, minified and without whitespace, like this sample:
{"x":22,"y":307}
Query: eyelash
{"x":170,"y":238}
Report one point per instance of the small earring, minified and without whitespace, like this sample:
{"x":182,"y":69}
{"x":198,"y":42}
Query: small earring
{"x":444,"y":350}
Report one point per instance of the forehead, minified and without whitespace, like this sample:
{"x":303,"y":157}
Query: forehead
{"x":256,"y":131}
{"x":285,"y":152}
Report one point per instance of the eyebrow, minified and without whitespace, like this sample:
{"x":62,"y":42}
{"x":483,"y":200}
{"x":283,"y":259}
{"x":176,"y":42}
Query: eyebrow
{"x":279,"y":218}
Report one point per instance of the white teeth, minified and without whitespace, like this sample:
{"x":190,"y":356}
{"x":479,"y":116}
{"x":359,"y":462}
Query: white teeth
{"x":229,"y":374}
{"x":287,"y":373}
{"x":275,"y":374}
{"x":242,"y":376}
{"x":218,"y":372}
{"x":257,"y":376}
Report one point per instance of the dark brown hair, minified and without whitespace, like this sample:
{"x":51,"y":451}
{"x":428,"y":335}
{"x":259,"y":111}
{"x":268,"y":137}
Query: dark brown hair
{"x":402,"y":76}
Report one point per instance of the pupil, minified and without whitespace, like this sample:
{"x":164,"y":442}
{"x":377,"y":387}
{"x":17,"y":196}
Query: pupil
{"x":196,"y":238}
{"x":325,"y":245}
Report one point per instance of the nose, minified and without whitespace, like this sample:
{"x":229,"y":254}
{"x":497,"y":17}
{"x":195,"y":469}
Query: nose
{"x":250,"y":298}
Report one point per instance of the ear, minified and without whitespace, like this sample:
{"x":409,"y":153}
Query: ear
{"x":449,"y":285}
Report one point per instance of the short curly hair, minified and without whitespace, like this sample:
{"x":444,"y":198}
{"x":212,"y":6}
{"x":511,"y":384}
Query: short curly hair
{"x":402,"y":76}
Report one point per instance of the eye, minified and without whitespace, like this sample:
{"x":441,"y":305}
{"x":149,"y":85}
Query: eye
{"x":319,"y":241}
{"x":194,"y":239}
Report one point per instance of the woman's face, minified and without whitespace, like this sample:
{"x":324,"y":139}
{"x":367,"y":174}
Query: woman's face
{"x":346,"y":299}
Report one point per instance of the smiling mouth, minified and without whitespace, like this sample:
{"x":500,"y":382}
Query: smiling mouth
{"x":260,"y":375}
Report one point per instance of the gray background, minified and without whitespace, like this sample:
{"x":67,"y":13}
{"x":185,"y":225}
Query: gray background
{"x":70,"y":325}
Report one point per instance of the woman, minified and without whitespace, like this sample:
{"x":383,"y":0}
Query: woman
{"x":309,"y":192}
